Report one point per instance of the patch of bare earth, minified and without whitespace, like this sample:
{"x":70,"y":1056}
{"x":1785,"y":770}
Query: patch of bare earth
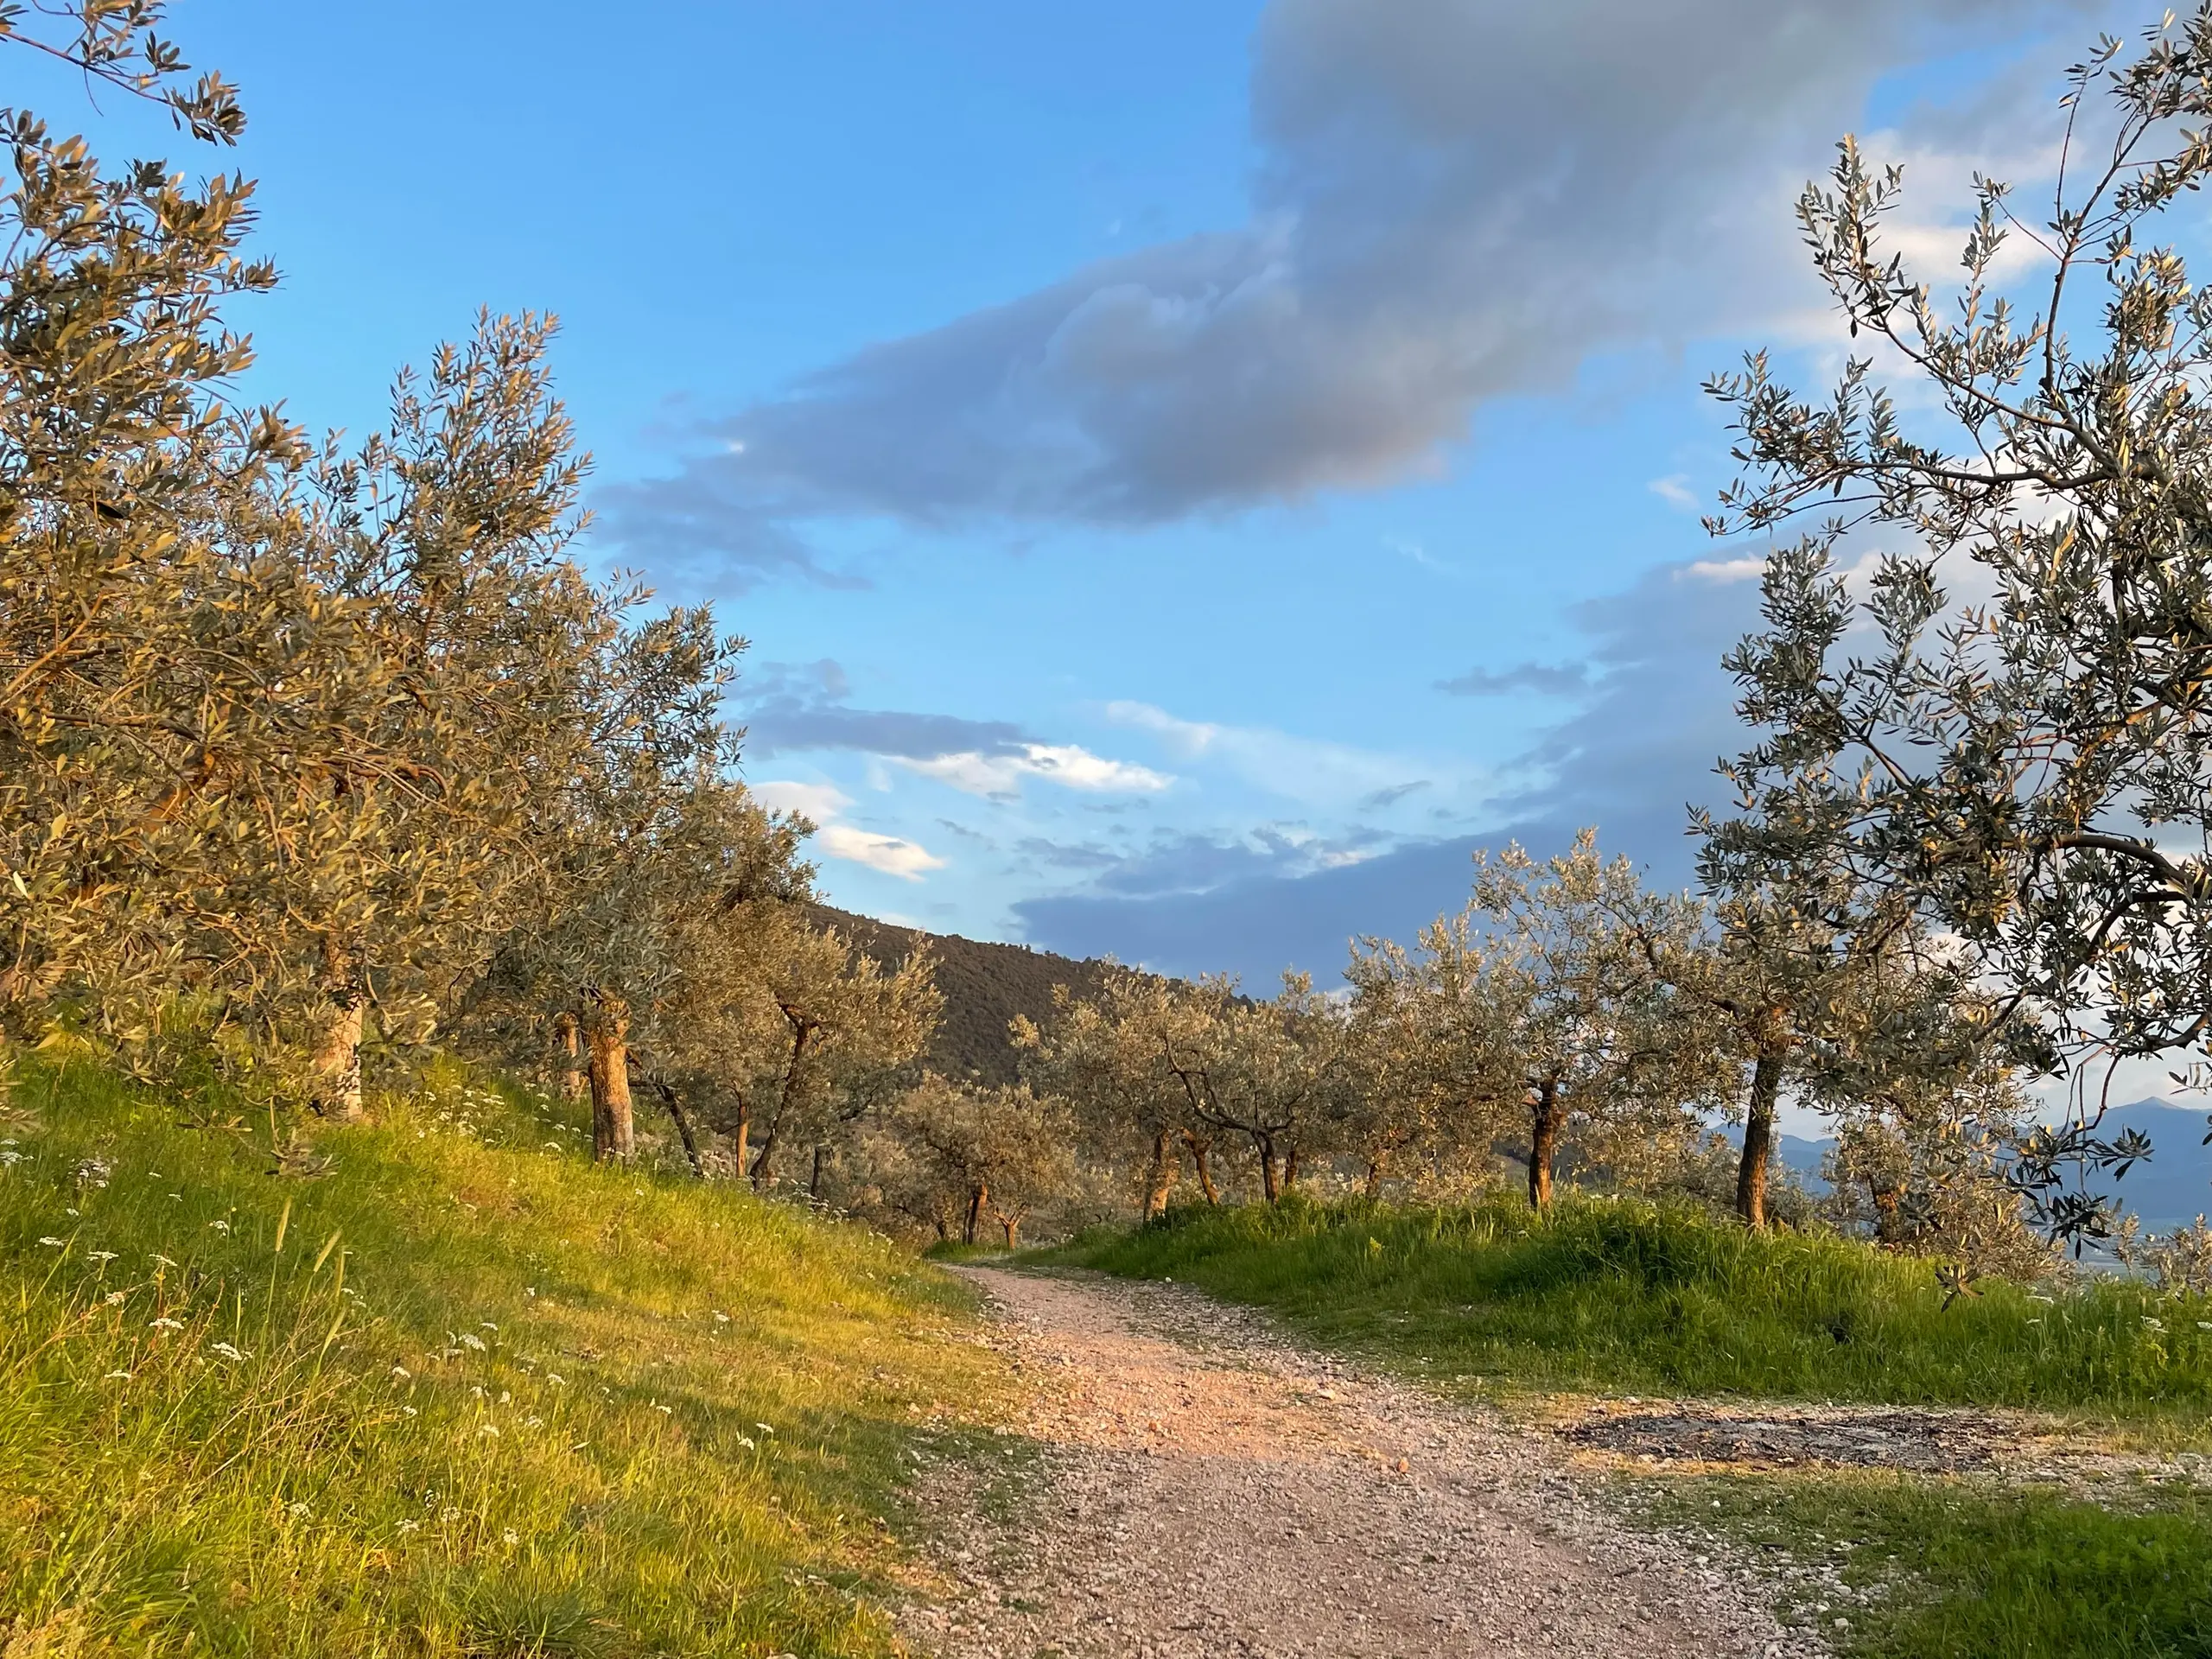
{"x":1210,"y":1488}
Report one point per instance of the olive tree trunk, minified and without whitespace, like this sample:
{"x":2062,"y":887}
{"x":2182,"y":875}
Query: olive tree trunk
{"x":1758,"y":1141}
{"x":607,"y":1039}
{"x":567,"y":1031}
{"x":1202,"y":1163}
{"x":337,"y":1064}
{"x":1544,"y":1125}
{"x":1159,"y":1176}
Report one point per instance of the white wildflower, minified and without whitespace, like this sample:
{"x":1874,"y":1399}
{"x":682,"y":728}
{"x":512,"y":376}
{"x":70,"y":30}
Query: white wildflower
{"x":116,"y":1377}
{"x":409,"y":1526}
{"x":505,"y":1399}
{"x":220,"y":1226}
{"x":492,"y":1429}
{"x":51,"y":1244}
{"x":300,"y":1510}
{"x":407,"y":1411}
{"x":226,"y":1350}
{"x":665,"y":1411}
{"x":99,"y":1256}
{"x":10,"y":1157}
{"x":720,"y":1317}
{"x":116,"y":1298}
{"x":2150,"y":1324}
{"x":533,"y":1422}
{"x":487,"y":1324}
{"x":161,"y":1260}
{"x":469,"y":1339}
{"x":556,"y":1379}
{"x":165,"y":1324}
{"x":766,"y":1428}
{"x":748,"y":1442}
{"x":402,"y":1372}
{"x":448,"y":1515}
{"x":511,"y":1538}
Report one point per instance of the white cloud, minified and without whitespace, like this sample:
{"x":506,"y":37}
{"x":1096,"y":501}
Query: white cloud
{"x":1065,"y":764}
{"x":1189,"y":737}
{"x":888,"y":854}
{"x":1312,"y":772}
{"x":822,"y":803}
{"x":1726,"y":570}
{"x":1674,"y":490}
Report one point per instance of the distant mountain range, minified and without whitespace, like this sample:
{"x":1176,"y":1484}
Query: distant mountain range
{"x":2169,"y":1189}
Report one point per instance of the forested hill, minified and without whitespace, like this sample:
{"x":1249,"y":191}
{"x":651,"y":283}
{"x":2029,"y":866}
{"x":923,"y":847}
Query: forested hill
{"x":984,"y":986}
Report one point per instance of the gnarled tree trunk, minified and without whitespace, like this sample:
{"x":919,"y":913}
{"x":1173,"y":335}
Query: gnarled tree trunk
{"x":976,"y":1199}
{"x":1544,"y":1125}
{"x":1201,"y":1162}
{"x":567,"y":1031}
{"x":337,"y":1066}
{"x":1270,"y":1174}
{"x":1290,"y":1167}
{"x":1758,"y":1139}
{"x":1887,"y":1227}
{"x":1373,"y":1186}
{"x":681,"y":1119}
{"x":803,"y":1030}
{"x":1159,"y":1176}
{"x":1011,"y":1225}
{"x":607,"y":1041}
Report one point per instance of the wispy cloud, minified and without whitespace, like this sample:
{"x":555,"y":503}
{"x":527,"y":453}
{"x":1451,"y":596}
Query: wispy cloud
{"x":1000,"y":776}
{"x":822,"y":804}
{"x":1310,"y":771}
{"x":1674,"y":490}
{"x":887,"y":854}
{"x":1569,"y":679}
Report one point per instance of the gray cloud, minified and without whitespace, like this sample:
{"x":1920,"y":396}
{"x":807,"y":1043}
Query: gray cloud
{"x":1630,"y":760}
{"x":1456,"y":199}
{"x":1564,"y":680}
{"x":789,"y":706}
{"x":1392,"y":796}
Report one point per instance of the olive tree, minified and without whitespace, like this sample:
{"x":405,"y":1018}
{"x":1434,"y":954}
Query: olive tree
{"x":2004,"y":724}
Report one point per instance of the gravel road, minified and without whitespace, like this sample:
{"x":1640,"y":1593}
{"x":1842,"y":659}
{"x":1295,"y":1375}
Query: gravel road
{"x":1209,"y":1488}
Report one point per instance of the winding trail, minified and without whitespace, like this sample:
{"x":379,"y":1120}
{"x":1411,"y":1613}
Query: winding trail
{"x":1210,"y":1489}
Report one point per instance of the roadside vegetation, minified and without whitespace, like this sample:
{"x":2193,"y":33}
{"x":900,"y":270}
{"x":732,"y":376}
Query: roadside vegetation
{"x":1626,"y":1295}
{"x":439,"y":1386}
{"x":1891,"y":1566}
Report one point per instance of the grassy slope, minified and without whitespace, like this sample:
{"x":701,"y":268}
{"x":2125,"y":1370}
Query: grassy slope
{"x":1619,"y":1294}
{"x":1631,"y":1298}
{"x":461,"y":1393}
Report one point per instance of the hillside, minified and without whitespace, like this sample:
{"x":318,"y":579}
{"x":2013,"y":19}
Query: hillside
{"x":438,"y":1387}
{"x":984,"y":987}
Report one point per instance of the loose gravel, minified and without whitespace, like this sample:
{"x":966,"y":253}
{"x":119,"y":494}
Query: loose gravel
{"x":1210,"y":1488}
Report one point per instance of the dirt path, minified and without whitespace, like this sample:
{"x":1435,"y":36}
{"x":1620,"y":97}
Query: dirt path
{"x":1211,"y":1489}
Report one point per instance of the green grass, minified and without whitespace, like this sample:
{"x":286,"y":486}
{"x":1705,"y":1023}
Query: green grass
{"x":1943,"y":1569}
{"x":460,"y":1393}
{"x":1629,"y":1296}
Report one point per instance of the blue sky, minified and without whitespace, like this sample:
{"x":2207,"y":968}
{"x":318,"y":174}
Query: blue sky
{"x":1190,"y":473}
